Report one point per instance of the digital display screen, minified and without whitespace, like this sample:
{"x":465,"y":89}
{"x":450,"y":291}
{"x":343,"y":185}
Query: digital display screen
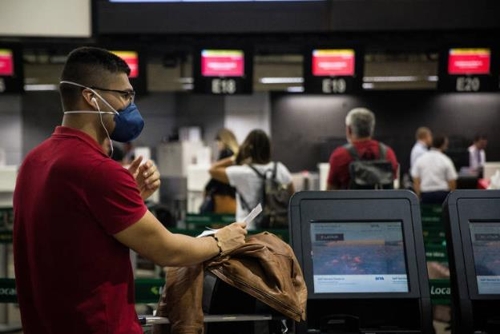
{"x":358,"y":257}
{"x":485,"y":238}
{"x":222,"y":63}
{"x":132,"y":60}
{"x":6,"y":63}
{"x":328,"y":62}
{"x":469,"y":61}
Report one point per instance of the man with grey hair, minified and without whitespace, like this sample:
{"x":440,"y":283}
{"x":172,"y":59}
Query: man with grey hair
{"x":360,"y":125}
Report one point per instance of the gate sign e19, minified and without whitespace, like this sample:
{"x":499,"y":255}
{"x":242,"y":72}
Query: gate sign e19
{"x":331,"y":71}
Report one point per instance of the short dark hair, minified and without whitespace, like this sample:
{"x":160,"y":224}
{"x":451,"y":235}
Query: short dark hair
{"x":87,"y":66}
{"x":438,"y":140}
{"x":479,"y":137}
{"x":256,"y":146}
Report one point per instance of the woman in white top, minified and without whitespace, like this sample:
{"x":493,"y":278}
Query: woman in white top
{"x":255,"y":150}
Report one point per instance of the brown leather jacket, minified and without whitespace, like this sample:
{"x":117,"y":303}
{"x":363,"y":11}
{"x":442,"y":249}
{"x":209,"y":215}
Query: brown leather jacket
{"x":265,"y":267}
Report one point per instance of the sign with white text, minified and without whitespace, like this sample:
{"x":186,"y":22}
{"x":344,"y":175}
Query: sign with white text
{"x":468,"y":70}
{"x":222,"y":71}
{"x":332,"y":71}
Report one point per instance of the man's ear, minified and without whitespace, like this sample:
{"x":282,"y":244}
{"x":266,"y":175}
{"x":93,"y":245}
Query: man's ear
{"x":89,"y":97}
{"x":348,"y":131}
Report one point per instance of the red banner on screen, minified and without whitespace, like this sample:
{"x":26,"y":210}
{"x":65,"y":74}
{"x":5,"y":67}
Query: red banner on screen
{"x":333,"y":63}
{"x":6,"y":63}
{"x":132,"y":60}
{"x":222,"y":63}
{"x":469,"y":61}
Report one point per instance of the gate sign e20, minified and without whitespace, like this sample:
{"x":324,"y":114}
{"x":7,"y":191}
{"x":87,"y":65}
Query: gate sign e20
{"x":467,"y":70}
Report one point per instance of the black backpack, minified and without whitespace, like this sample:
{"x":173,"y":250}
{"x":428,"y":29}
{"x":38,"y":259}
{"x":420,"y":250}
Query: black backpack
{"x":370,"y":174}
{"x":274,"y":200}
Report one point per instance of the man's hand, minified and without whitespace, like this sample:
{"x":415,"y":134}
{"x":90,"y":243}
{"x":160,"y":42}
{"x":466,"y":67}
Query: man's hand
{"x":146,"y":176}
{"x":232,"y":236}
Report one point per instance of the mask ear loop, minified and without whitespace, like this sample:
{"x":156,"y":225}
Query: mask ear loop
{"x":98,"y":109}
{"x":102,"y":123}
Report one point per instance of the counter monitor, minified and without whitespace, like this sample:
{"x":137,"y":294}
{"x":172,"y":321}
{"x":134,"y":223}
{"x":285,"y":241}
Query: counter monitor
{"x":469,"y":61}
{"x":331,"y":62}
{"x":6,"y":62}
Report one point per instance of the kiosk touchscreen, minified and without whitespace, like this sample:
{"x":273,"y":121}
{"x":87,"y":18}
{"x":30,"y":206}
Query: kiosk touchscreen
{"x":472,"y":220}
{"x":363,"y":259}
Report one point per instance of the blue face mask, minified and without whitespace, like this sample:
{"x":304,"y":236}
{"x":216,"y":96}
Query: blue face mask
{"x":128,"y":124}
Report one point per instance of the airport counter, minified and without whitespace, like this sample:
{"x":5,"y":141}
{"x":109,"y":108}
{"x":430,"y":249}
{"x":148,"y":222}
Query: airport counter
{"x":148,"y":290}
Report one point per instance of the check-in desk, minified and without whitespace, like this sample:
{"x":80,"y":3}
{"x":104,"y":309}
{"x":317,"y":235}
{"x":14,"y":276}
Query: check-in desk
{"x":9,"y":318}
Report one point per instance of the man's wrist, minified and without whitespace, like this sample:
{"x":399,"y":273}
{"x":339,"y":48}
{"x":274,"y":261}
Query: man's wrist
{"x":218,"y":243}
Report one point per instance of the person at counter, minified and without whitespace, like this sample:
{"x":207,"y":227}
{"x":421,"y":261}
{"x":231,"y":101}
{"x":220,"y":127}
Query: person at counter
{"x":477,"y":155}
{"x":78,"y":212}
{"x":360,"y":125}
{"x":220,"y":197}
{"x":434,"y":174}
{"x":423,"y":137}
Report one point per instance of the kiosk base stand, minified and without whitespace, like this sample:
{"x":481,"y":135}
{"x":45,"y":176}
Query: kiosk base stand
{"x":339,"y":323}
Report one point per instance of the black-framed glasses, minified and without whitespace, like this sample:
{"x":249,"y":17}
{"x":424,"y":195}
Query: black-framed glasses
{"x":127,"y":94}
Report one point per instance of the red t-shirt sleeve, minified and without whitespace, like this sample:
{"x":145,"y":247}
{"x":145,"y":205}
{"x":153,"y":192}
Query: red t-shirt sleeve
{"x":391,"y":156}
{"x":114,"y":198}
{"x":338,"y":166}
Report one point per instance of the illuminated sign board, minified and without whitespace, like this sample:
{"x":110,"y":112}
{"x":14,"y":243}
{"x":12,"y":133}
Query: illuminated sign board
{"x":11,"y":69}
{"x":222,"y":71}
{"x":136,"y":60}
{"x":333,"y":63}
{"x":222,"y":63}
{"x":132,"y":60}
{"x":6,"y":62}
{"x":469,"y":61}
{"x":332,"y":71}
{"x":468,"y":70}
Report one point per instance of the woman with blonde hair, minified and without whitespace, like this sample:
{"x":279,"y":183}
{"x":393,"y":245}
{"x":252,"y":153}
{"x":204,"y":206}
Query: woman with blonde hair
{"x":226,"y":143}
{"x":221,"y":197}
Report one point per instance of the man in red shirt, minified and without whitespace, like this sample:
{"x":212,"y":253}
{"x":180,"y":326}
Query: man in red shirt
{"x":360,"y":124}
{"x":78,"y":212}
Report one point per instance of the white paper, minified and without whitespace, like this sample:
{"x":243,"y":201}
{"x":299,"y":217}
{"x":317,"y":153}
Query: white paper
{"x":248,"y":219}
{"x":254,"y":213}
{"x":207,"y":233}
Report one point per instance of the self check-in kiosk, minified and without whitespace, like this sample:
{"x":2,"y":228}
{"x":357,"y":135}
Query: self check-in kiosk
{"x":363,"y":260}
{"x":472,"y":222}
